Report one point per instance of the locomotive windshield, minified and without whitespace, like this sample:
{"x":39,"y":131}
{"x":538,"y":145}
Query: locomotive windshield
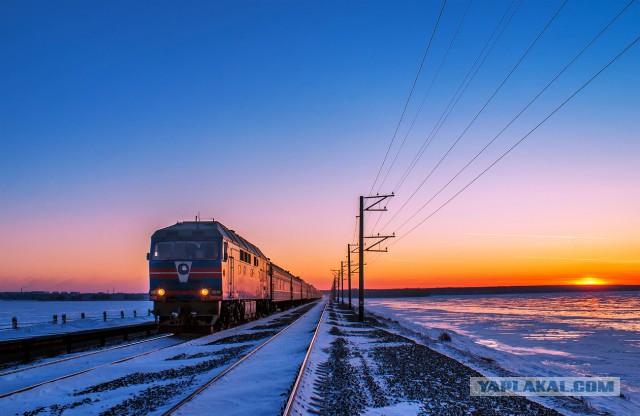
{"x":186,"y":250}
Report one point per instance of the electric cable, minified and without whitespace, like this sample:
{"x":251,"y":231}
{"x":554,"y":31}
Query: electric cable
{"x":459,"y":91}
{"x":415,"y":81}
{"x":478,"y":113}
{"x":521,"y":112}
{"x":519,"y":141}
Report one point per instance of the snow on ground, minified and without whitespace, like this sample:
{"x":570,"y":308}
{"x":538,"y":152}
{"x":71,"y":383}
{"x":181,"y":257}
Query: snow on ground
{"x":31,"y":312}
{"x":49,"y":328}
{"x":312,"y":373}
{"x":28,"y":375}
{"x":365,"y":368}
{"x":501,"y":359}
{"x":260,"y":385}
{"x":147,"y":384}
{"x":374,"y":372}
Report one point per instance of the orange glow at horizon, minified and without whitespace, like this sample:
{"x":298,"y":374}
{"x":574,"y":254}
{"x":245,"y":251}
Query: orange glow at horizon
{"x":589,"y":281}
{"x":110,"y":254}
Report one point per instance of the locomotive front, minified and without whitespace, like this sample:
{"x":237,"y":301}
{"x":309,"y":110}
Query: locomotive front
{"x":185,"y":276}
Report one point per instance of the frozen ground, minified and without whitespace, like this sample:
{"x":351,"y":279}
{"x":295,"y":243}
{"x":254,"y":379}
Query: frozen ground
{"x":35,"y":318}
{"x":367,"y":368}
{"x":149,"y":384}
{"x":535,"y":335}
{"x":77,"y":325}
{"x":26,"y":375}
{"x":260,"y":385}
{"x":391,"y":365}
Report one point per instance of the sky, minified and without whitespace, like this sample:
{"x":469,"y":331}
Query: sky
{"x":119,"y":118}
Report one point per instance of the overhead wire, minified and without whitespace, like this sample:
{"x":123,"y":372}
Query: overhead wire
{"x":484,"y":48}
{"x":460,"y":90}
{"x":424,"y":98}
{"x":519,"y":141}
{"x":562,"y":71}
{"x":355,"y":230}
{"x":455,"y":35}
{"x":517,"y":116}
{"x":406,"y":104}
{"x":495,"y":92}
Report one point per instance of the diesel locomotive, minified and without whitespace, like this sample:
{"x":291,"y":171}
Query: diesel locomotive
{"x":203,"y":276}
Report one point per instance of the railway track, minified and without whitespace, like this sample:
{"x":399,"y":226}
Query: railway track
{"x":75,"y":357}
{"x":152,"y":380}
{"x":296,"y":385}
{"x":67,"y":360}
{"x":181,"y":406}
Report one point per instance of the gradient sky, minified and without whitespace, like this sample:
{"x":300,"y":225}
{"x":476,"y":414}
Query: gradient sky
{"x":118,"y":118}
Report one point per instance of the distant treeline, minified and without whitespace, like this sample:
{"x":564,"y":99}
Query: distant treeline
{"x":71,"y":296}
{"x":495,"y":290}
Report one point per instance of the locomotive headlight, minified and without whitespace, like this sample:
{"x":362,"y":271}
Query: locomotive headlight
{"x":161,"y":292}
{"x":204,"y":292}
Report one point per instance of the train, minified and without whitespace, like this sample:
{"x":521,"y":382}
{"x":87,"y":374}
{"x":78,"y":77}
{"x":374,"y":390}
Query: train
{"x":204,"y":276}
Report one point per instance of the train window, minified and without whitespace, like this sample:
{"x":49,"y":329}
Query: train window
{"x":186,"y":250}
{"x":255,"y":261}
{"x":245,"y":257}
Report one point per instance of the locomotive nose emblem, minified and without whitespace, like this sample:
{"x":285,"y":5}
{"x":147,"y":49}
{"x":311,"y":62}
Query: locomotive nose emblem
{"x":183,"y":268}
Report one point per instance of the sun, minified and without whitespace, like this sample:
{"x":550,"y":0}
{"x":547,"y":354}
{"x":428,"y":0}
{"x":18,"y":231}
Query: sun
{"x":589,"y":280}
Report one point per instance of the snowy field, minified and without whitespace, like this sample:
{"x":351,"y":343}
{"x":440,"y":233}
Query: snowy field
{"x":378,"y":367}
{"x":35,"y":317}
{"x":152,"y":383}
{"x":565,"y":335}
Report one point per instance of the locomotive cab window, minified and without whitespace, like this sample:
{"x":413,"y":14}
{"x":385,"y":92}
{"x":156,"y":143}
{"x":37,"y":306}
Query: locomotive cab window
{"x":186,"y":250}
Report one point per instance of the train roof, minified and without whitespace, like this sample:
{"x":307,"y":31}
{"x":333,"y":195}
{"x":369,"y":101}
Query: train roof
{"x":283,"y":270}
{"x":207,"y":229}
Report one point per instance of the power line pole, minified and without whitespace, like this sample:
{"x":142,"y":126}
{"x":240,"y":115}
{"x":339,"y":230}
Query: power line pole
{"x":349,"y":271}
{"x":342,"y":279}
{"x":336,"y":280}
{"x":361,"y":248}
{"x":361,"y":263}
{"x":333,"y":287}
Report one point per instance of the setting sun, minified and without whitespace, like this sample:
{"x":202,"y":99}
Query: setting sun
{"x":588,"y":280}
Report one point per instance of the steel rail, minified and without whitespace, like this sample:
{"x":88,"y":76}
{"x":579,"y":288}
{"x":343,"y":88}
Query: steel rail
{"x":236,"y":364}
{"x":85,"y":371}
{"x":31,"y":367}
{"x":303,"y":366}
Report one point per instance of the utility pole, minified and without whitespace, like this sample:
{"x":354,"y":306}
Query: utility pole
{"x":342,"y":280}
{"x":351,"y":248}
{"x":332,"y":288}
{"x":361,"y":248}
{"x":349,"y":272}
{"x":336,"y":280}
{"x":361,"y":263}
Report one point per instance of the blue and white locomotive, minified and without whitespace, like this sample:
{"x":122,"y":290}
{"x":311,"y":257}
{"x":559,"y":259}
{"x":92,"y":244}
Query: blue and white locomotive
{"x":203,"y":275}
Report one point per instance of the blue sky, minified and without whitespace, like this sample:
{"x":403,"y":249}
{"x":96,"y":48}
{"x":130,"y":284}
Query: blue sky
{"x":274,"y":116}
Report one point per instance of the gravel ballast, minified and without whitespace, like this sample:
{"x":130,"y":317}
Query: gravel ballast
{"x":370,"y":369}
